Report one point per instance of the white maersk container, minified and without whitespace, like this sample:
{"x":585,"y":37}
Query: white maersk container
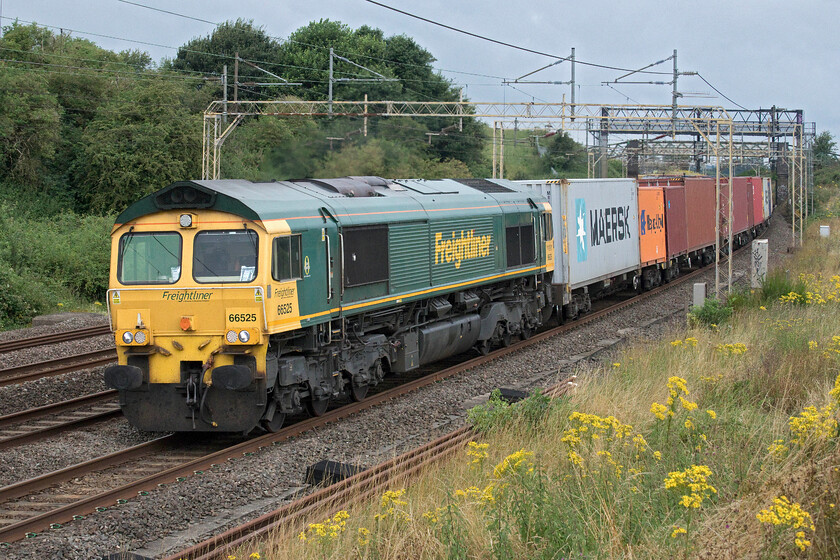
{"x":596,"y":234}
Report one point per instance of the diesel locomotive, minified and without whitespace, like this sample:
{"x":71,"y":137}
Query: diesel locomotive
{"x":234,"y":303}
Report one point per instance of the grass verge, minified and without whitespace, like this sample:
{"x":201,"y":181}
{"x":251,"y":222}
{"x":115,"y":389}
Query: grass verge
{"x":720,"y":442}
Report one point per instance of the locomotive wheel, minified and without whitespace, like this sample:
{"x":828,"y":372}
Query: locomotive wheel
{"x":357,"y":392}
{"x":317,"y":407}
{"x":506,"y":340}
{"x":483,"y":347}
{"x":274,"y":425}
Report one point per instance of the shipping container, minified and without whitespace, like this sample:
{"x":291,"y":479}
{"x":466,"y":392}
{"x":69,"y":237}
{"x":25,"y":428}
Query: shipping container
{"x":596,"y":230}
{"x":652,"y":238}
{"x":675,"y":220}
{"x":700,"y":212}
{"x":768,"y":197}
{"x":757,"y":187}
{"x":741,"y":204}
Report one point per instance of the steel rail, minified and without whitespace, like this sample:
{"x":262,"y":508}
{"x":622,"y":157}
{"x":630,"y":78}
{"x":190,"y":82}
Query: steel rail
{"x":40,"y":433}
{"x":57,"y":366}
{"x":55,"y":408}
{"x":30,"y":342}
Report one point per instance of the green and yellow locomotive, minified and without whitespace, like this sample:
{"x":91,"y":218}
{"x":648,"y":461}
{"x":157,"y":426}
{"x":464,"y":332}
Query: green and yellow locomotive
{"x":235,"y":303}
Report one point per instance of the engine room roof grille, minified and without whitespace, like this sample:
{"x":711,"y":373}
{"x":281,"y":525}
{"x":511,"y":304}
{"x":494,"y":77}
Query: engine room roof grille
{"x":484,"y":185}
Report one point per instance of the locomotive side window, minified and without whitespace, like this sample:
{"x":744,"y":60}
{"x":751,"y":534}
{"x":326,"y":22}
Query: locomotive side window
{"x":520,"y":245}
{"x":149,"y":258}
{"x":225,"y":256}
{"x":365,"y":255}
{"x":547,"y":227}
{"x":514,"y":258}
{"x":285,"y":258}
{"x":526,"y":240}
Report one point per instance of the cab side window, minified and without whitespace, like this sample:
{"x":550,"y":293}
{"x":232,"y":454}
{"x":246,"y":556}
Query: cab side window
{"x":285,"y":258}
{"x":548,"y":229}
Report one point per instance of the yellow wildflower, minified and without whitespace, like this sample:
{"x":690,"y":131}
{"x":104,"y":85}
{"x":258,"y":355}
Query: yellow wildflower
{"x":812,"y":424}
{"x":677,"y":531}
{"x":695,"y":480}
{"x":513,"y":463}
{"x":712,"y":414}
{"x":784,"y":513}
{"x":688,"y":405}
{"x":778,"y":449}
{"x":658,"y":410}
{"x":800,"y":540}
{"x":478,"y":451}
{"x":363,"y":536}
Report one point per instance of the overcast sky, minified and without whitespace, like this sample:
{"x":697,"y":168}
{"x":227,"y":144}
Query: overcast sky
{"x":757,"y":53}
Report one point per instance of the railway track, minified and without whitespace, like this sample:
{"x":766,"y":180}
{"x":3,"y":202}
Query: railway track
{"x":57,"y":366}
{"x":361,"y":487}
{"x":52,"y":419}
{"x":33,"y":341}
{"x":27,"y":507}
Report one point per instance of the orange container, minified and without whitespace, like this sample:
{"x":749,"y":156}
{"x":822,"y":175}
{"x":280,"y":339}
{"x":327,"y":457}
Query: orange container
{"x":652,"y":225}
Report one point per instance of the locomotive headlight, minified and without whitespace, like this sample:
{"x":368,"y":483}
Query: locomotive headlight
{"x":185,"y":220}
{"x":231,"y":336}
{"x":244,"y":336}
{"x":140,"y":337}
{"x":127,"y":337}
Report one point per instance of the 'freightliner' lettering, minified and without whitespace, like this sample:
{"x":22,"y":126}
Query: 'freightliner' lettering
{"x":187,"y":296}
{"x":468,"y":246}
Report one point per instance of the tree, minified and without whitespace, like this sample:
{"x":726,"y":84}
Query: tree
{"x":208,"y":55}
{"x":564,"y":156}
{"x":145,"y":137}
{"x":824,"y":149}
{"x":29,"y":131}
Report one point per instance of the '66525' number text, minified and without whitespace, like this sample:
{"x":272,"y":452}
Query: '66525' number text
{"x":242,"y":317}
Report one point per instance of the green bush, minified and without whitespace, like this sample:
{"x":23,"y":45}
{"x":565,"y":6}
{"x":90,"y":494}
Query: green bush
{"x":63,"y":259}
{"x":712,"y":312}
{"x":498,"y":413}
{"x":777,"y":284}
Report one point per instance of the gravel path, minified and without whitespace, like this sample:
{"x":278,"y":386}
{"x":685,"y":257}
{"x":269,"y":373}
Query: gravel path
{"x":226,"y":493}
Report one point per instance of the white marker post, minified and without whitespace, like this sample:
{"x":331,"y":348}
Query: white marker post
{"x":758,"y":262}
{"x":825,"y":231}
{"x":699,"y":294}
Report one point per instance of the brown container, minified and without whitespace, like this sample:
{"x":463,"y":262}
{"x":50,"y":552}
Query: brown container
{"x":652,"y":243}
{"x":675,"y":214}
{"x":700,"y":212}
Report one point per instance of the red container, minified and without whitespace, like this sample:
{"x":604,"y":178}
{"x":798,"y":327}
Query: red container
{"x":742,"y":208}
{"x":700,"y":212}
{"x":757,"y":200}
{"x":675,"y":216}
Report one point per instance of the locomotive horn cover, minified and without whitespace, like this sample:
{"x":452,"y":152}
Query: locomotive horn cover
{"x":232,"y":377}
{"x":123,"y":378}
